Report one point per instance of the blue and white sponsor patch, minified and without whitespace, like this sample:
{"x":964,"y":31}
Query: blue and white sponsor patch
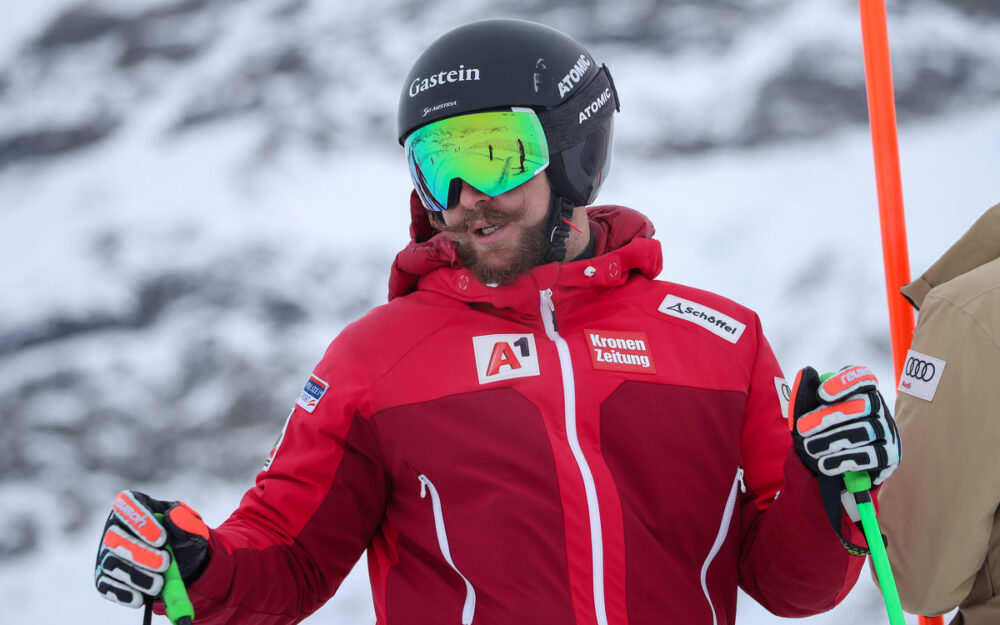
{"x":314,"y":390}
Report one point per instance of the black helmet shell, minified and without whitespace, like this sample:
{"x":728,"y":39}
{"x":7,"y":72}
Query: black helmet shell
{"x":499,"y":63}
{"x":489,"y":64}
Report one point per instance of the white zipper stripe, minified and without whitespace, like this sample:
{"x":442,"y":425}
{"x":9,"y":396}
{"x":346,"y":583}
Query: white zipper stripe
{"x":590,"y":487}
{"x":469,"y":609}
{"x":720,"y":538}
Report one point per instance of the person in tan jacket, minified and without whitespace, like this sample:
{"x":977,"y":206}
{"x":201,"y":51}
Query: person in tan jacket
{"x":940,"y":509}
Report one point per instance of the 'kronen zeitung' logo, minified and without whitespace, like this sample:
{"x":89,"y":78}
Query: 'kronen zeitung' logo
{"x":419,"y":85}
{"x":627,"y":351}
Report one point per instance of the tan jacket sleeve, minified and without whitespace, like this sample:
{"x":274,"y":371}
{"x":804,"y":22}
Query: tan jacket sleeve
{"x":937,"y":510}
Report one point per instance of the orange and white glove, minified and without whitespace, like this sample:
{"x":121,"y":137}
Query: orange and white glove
{"x":133,"y":556}
{"x":840,"y":423}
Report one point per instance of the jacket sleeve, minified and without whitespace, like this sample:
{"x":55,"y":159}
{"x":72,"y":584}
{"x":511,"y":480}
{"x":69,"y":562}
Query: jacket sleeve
{"x":791,"y":561}
{"x":313,"y":511}
{"x":938,"y":508}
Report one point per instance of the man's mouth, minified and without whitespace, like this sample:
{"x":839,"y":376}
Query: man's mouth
{"x":487,"y":230}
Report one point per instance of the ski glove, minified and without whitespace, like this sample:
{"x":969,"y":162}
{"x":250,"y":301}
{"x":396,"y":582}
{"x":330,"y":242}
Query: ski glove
{"x":840,"y":423}
{"x":133,"y":555}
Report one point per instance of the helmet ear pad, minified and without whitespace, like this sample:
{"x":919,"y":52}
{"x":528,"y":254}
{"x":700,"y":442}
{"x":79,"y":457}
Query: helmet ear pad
{"x":577,"y":172}
{"x":580,"y":133}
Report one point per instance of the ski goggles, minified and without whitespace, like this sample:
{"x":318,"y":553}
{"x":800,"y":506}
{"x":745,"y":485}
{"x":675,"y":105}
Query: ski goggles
{"x":494,"y":151}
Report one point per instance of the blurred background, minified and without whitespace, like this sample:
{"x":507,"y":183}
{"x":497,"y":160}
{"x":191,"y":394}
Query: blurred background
{"x":197,"y":195}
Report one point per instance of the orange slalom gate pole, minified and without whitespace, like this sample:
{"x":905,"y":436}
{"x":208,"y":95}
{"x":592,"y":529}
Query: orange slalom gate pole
{"x":882,"y":117}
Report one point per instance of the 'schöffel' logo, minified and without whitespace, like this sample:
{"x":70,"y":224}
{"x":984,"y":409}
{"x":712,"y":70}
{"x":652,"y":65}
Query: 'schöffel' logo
{"x":620,"y":351}
{"x":712,"y":320}
{"x":920,"y":369}
{"x":419,"y":85}
{"x":921,"y":375}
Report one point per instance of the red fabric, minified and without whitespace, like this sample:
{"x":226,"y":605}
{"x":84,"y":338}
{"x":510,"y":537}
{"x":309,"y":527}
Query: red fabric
{"x":672,"y":474}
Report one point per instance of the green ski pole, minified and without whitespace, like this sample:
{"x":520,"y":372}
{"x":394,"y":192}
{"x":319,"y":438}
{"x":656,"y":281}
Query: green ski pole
{"x":859,"y":483}
{"x":175,"y":597}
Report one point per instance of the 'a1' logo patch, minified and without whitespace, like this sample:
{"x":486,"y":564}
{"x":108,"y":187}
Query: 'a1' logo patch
{"x":505,"y":356}
{"x":620,"y":351}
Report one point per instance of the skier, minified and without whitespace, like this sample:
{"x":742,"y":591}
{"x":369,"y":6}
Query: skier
{"x":940,"y":511}
{"x":534,"y":429}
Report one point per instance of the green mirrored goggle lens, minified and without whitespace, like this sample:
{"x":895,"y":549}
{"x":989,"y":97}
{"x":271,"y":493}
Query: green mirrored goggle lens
{"x":494,"y":152}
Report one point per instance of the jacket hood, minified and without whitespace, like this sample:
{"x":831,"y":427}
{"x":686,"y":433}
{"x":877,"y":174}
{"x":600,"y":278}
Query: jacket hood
{"x":622,"y":244}
{"x":978,"y":246}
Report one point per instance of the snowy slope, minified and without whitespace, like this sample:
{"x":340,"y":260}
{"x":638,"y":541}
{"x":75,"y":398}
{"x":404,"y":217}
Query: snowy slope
{"x":166,"y":288}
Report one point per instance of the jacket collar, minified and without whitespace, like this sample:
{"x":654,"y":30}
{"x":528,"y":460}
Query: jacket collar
{"x":622,"y":246}
{"x":978,"y":246}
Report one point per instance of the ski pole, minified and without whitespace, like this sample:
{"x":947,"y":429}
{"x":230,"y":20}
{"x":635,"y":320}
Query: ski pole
{"x":859,"y":483}
{"x":175,"y":598}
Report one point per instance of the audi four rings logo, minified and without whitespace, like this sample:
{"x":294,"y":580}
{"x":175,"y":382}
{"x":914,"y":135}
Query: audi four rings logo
{"x":920,"y":369}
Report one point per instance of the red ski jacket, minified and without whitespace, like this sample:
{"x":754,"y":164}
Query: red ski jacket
{"x":588,"y":446}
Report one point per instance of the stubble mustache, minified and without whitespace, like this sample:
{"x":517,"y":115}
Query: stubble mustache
{"x":487,"y":213}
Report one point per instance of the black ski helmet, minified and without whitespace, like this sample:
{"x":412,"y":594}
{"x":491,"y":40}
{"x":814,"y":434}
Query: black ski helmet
{"x":499,"y":63}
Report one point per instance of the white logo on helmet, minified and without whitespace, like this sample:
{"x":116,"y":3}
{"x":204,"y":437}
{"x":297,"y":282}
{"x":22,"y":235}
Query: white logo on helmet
{"x":574,"y":75}
{"x":596,"y":105}
{"x":430,"y":109}
{"x":461,"y":74}
{"x":539,"y":64}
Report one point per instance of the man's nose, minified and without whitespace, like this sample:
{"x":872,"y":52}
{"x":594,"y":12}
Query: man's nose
{"x":469,"y":199}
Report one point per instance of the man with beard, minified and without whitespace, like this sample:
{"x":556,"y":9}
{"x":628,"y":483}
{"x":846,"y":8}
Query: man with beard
{"x":500,"y":238}
{"x":534,"y":429}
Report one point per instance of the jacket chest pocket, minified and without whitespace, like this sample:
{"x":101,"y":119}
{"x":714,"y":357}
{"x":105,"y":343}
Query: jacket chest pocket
{"x":440,"y":528}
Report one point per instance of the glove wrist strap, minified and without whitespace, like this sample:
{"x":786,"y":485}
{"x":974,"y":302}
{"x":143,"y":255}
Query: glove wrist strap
{"x":829,"y":491}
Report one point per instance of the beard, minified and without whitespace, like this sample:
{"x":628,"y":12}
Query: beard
{"x":501,"y":266}
{"x":528,"y":252}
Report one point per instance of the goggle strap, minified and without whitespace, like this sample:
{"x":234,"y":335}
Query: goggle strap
{"x":572,"y":121}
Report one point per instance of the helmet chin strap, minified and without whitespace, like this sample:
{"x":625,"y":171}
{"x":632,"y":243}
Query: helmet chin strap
{"x":556,"y":226}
